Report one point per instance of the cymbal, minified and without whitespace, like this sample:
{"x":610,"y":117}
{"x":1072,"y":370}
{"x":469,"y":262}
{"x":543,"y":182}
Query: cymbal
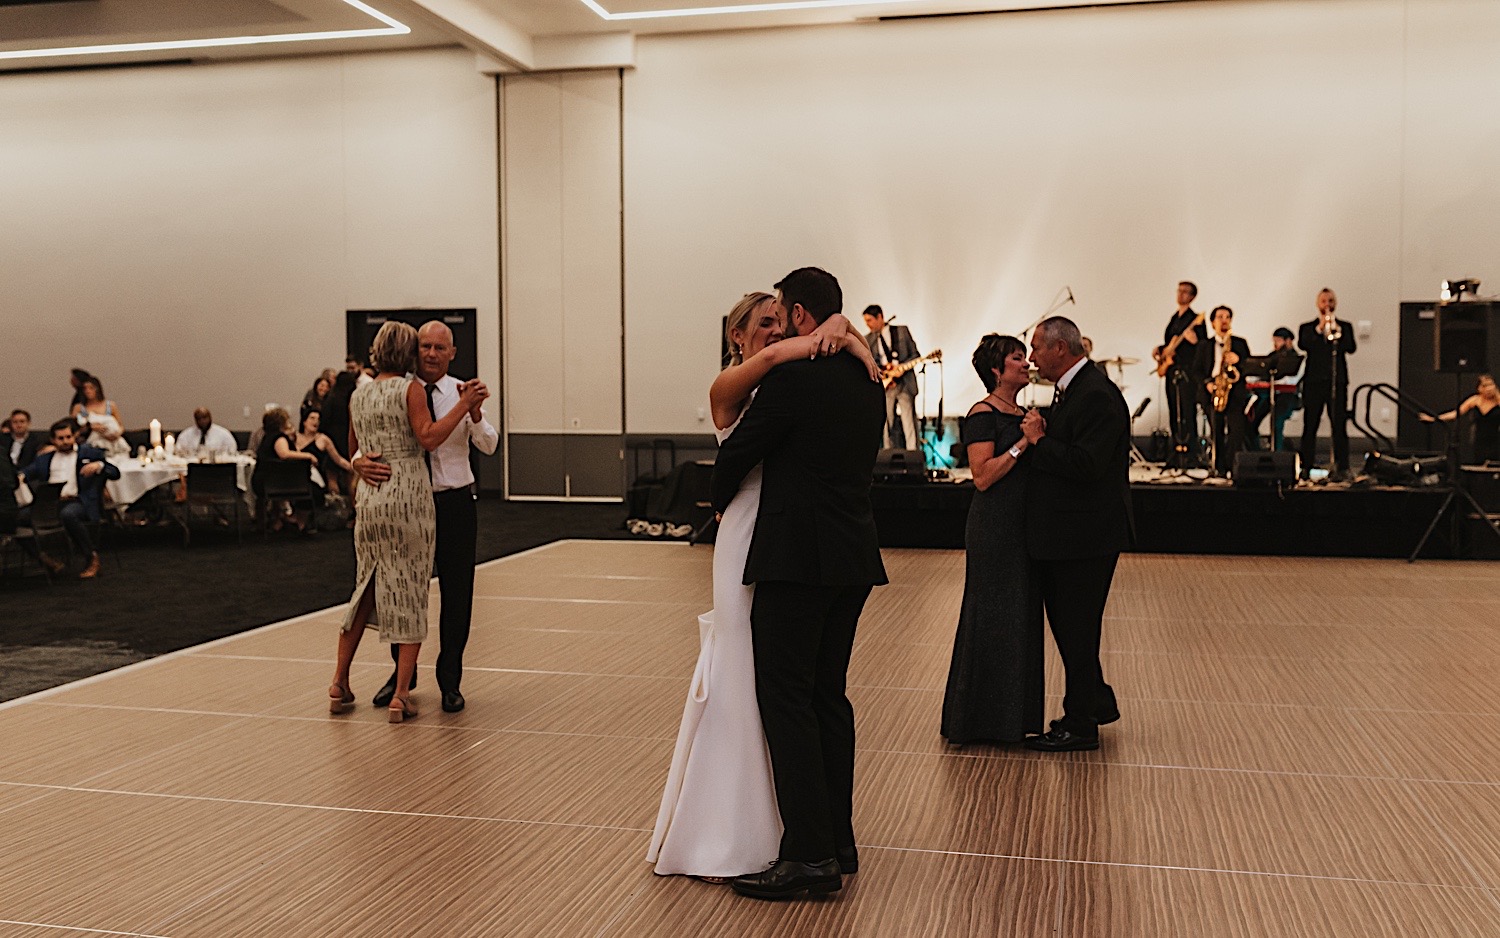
{"x":1120,"y":361}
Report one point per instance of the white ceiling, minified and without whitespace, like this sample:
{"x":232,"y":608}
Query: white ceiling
{"x":512,"y":34}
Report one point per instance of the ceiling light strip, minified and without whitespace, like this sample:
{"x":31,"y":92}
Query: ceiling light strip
{"x":393,"y":27}
{"x":737,"y":8}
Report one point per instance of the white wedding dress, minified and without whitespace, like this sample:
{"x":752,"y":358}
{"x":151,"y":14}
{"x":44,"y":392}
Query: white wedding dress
{"x":718,"y":813}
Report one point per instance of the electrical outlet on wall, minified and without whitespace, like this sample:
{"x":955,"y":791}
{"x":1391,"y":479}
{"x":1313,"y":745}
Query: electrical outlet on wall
{"x":702,"y":414}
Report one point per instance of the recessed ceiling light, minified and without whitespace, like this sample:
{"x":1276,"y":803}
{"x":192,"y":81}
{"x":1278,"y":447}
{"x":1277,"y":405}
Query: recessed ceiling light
{"x":392,"y":27}
{"x":736,"y":8}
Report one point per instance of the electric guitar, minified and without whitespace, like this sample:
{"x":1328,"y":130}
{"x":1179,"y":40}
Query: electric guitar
{"x":893,"y":373}
{"x":1170,"y":351}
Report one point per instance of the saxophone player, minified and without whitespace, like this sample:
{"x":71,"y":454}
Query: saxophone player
{"x":1216,"y":366}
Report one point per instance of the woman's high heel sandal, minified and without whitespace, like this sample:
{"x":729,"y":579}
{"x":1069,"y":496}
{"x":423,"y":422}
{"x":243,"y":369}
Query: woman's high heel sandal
{"x":402,"y":709}
{"x":340,"y":698}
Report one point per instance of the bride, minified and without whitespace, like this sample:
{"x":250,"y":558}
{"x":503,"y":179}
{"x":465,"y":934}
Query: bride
{"x":718,"y":814}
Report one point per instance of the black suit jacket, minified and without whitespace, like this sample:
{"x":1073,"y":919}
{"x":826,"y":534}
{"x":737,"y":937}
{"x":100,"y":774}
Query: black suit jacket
{"x":90,"y":488}
{"x":903,"y":349}
{"x":1320,"y":356}
{"x":1078,"y":495}
{"x":28,"y":449}
{"x":816,"y":427}
{"x":1203,"y":369}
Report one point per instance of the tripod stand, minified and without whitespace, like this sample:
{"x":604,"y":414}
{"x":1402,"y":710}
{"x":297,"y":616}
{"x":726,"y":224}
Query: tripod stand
{"x":1456,"y":488}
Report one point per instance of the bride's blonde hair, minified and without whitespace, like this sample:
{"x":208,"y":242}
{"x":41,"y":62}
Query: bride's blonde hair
{"x":738,"y":319}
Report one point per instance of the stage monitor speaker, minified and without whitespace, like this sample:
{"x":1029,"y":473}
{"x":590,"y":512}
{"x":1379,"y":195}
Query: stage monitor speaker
{"x":900,"y":465}
{"x":1461,"y":337}
{"x":1263,"y":469}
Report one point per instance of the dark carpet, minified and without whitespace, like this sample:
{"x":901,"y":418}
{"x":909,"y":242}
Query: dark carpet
{"x":154,"y":596}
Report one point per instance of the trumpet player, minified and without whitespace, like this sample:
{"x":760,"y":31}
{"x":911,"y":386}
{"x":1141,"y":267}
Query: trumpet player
{"x":1327,"y":342}
{"x":1217,"y":367}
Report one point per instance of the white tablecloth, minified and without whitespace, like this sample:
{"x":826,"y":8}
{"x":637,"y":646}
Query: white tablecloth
{"x":138,"y":478}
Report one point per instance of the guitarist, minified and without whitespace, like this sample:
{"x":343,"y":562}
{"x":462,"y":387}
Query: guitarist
{"x":892,"y":345}
{"x":1175,"y":357}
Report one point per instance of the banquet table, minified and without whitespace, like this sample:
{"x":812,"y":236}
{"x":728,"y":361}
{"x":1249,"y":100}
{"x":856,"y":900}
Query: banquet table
{"x":137,"y":477}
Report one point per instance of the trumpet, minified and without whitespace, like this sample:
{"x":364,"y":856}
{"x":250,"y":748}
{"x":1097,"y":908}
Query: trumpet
{"x":1332,"y":331}
{"x":1225,"y":379}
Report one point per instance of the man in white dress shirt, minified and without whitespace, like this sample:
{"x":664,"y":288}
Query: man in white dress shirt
{"x":204,"y":437}
{"x":453,"y":496}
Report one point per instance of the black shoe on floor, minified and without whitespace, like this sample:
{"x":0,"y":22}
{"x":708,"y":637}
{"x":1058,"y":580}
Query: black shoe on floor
{"x":1112,"y":715}
{"x":1060,"y":740}
{"x":453,"y":701}
{"x":787,"y":879}
{"x":848,"y":858}
{"x":388,"y":690}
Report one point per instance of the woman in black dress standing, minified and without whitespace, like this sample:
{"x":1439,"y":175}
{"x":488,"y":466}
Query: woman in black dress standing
{"x":995,"y":681}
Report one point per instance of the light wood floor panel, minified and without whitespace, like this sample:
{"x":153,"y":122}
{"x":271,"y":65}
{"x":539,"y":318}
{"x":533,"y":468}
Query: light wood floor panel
{"x":895,"y":893}
{"x":431,"y":878}
{"x":1353,"y":828}
{"x":1124,"y":902}
{"x":126,"y":862}
{"x":1280,"y":716}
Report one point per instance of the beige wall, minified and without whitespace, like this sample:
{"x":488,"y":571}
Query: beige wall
{"x":960,"y":171}
{"x":194,"y":234}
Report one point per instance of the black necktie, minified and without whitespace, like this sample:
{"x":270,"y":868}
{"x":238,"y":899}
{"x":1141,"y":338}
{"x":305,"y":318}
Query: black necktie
{"x":432,"y":412}
{"x":1059,"y":394}
{"x":886,"y":348}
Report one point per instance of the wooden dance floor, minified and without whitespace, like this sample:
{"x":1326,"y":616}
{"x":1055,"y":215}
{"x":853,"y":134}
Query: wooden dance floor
{"x":1307,"y":748}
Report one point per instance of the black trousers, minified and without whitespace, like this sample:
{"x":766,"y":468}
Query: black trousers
{"x":802,"y":636}
{"x":1074,"y":592}
{"x":1229,"y":431}
{"x":1182,"y":411}
{"x":1316,"y":397}
{"x":453,"y":562}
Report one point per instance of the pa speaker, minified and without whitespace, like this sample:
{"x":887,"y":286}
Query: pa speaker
{"x":1265,"y":469}
{"x":1461,"y":337}
{"x":900,"y":465}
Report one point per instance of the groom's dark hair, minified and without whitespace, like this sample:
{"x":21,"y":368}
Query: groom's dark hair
{"x":816,"y":289}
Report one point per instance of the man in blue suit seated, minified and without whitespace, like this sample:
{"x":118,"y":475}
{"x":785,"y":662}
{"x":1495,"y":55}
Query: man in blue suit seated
{"x":82,"y":471}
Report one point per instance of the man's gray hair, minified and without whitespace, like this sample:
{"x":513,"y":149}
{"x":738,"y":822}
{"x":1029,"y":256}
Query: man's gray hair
{"x":1061,"y":329}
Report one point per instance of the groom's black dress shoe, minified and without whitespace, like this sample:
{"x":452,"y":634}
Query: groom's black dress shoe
{"x":848,"y":858}
{"x":1060,"y":740}
{"x":1109,"y":716}
{"x":453,"y":701}
{"x":386,"y":692}
{"x":788,"y":878}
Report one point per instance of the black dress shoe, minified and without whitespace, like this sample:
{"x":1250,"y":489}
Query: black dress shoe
{"x":1060,"y":740}
{"x":789,"y":878}
{"x":848,"y":858}
{"x":1106,"y":717}
{"x":388,"y":690}
{"x":453,"y":701}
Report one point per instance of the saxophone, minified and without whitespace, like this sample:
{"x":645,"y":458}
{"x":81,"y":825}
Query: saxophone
{"x":1226,"y":378}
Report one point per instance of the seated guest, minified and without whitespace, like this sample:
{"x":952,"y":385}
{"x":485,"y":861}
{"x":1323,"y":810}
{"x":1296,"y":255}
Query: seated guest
{"x":1484,"y":405}
{"x":82,"y":470}
{"x":19,"y":445}
{"x":102,"y":417}
{"x":308,"y":440}
{"x":276,"y":446}
{"x":313,"y":399}
{"x":203,"y":437}
{"x":1222,"y":352}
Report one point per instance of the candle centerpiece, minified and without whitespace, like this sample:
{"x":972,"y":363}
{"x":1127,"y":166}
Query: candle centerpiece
{"x":155,"y":433}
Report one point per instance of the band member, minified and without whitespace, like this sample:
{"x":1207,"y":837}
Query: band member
{"x":1221,"y":355}
{"x":892,"y":345}
{"x":1182,"y":389}
{"x":1282,"y":366}
{"x":1327,"y":342}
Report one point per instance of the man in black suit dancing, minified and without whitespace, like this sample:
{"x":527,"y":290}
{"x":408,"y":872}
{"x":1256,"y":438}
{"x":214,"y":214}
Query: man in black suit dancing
{"x":815,"y":426}
{"x":1078,"y":519}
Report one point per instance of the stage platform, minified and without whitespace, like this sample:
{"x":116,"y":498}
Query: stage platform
{"x":1182,"y":516}
{"x":1295,"y":761}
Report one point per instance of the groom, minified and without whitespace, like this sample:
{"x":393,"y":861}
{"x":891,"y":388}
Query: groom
{"x":816,"y":427}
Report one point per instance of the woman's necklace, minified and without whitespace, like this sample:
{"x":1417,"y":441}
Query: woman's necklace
{"x":1014,"y":407}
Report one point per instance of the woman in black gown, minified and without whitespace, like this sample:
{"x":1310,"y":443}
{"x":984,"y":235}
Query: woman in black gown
{"x":995,"y":681}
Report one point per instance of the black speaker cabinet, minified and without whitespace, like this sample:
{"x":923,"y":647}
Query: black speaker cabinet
{"x":900,"y":465}
{"x":1461,"y":336}
{"x":1265,"y":469}
{"x":1439,"y":390}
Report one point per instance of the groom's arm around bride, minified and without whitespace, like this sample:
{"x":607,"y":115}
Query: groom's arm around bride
{"x":815,"y":427}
